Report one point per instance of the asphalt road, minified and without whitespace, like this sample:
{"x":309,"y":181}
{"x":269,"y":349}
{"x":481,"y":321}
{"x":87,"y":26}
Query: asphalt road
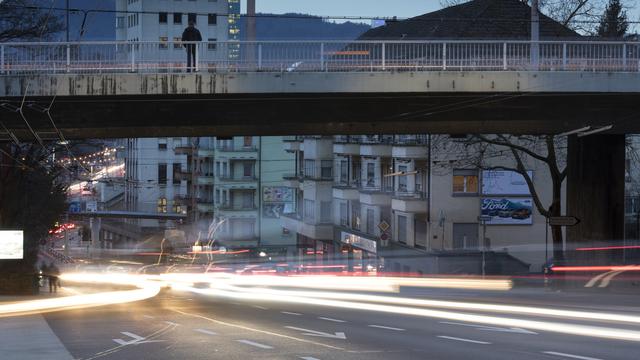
{"x":176,"y":325}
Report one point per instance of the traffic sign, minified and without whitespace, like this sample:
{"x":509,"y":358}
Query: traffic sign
{"x":564,"y":221}
{"x":384,"y":226}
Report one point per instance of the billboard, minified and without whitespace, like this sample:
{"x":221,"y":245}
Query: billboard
{"x":11,"y":244}
{"x":277,"y":194}
{"x":507,"y":211}
{"x":504,"y":182}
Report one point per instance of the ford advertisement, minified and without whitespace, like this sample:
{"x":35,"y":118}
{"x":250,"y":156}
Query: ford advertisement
{"x":508,"y":211}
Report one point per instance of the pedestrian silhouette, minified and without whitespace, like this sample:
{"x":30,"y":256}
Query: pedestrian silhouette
{"x":54,"y":272}
{"x":191,"y":34}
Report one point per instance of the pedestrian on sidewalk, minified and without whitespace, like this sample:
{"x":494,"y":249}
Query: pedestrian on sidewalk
{"x":54,"y":282}
{"x":191,"y":34}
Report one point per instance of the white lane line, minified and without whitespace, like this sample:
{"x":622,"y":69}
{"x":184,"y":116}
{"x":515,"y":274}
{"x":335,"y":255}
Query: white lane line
{"x":205,"y":331}
{"x":308,"y":358}
{"x":330,"y":319}
{"x":259,"y":307}
{"x":171,"y":323}
{"x":290,"y":313}
{"x":569,"y":355}
{"x":386,"y":327}
{"x":132,"y":335}
{"x":148,"y":316}
{"x":464,"y":340}
{"x":258,"y":345}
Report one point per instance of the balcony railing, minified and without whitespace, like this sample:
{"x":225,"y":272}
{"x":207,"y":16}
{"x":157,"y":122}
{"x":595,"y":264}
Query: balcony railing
{"x":226,"y":207}
{"x":236,"y":148}
{"x":410,"y":195}
{"x":320,"y":56}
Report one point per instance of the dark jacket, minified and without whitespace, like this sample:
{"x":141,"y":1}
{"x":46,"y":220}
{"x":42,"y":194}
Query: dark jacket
{"x":191,"y":34}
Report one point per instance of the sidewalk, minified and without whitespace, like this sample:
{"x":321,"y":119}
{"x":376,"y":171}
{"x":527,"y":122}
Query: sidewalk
{"x":30,"y":338}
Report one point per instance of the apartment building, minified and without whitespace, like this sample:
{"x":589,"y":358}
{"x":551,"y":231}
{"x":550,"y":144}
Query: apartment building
{"x":379,"y":201}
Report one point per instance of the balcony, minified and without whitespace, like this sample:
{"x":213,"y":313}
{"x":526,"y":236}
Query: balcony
{"x":296,"y":224}
{"x":292,"y":180}
{"x":206,"y":153}
{"x":376,"y":195}
{"x":182,"y":175}
{"x":184,"y":150}
{"x":205,"y":180}
{"x":228,"y":178}
{"x":410,"y":201}
{"x":324,"y":174}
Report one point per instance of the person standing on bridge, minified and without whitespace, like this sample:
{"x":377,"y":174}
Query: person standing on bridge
{"x":191,"y":34}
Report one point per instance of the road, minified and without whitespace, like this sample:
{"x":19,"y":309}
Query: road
{"x":183,"y":325}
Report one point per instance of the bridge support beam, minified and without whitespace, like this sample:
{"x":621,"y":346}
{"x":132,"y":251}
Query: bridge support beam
{"x":595,"y":195}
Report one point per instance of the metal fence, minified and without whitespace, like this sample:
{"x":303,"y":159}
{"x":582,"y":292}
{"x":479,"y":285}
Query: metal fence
{"x":319,"y":56}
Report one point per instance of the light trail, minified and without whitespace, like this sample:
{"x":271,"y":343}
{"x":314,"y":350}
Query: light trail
{"x":146,"y":289}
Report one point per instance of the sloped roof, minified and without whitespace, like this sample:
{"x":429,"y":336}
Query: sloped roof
{"x":477,"y":19}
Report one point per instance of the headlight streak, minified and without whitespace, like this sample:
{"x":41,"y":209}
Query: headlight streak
{"x":580,"y":330}
{"x":146,"y":289}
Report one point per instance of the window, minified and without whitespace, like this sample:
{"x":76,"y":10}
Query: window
{"x":120,"y":22}
{"x":326,"y":169}
{"x":177,"y":18}
{"x":247,"y":141}
{"x":192,"y":17}
{"x":247,"y":200}
{"x":309,"y":209}
{"x":465,"y":181}
{"x":344,"y":172}
{"x":177,"y":168}
{"x":402,"y":229}
{"x":212,"y":19}
{"x":344,"y":218}
{"x":420,"y":227}
{"x":163,"y":45}
{"x":370,"y":226}
{"x":371,"y":174}
{"x":177,"y":142}
{"x":162,"y":143}
{"x":212,"y":44}
{"x":309,"y":168}
{"x":217,"y":196}
{"x":177,"y":208}
{"x":162,"y":174}
{"x":247,"y":169}
{"x":177,"y":42}
{"x":218,"y":168}
{"x":163,"y":17}
{"x":402,"y":179}
{"x":162,"y":205}
{"x":325,"y":212}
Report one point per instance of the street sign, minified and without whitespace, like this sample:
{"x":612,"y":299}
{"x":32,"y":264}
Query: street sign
{"x":564,"y":221}
{"x":384,"y":226}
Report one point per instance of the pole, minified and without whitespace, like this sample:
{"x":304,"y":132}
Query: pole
{"x":66,"y":235}
{"x":535,"y":35}
{"x":484,"y":247}
{"x":67,"y":19}
{"x":546,"y":239}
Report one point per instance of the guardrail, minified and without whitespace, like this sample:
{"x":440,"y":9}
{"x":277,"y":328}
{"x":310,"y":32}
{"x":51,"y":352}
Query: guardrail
{"x":318,"y":56}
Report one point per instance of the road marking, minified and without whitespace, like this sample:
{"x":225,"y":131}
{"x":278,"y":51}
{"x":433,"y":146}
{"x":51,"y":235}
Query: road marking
{"x":336,"y":335}
{"x":258,"y":345}
{"x":597,"y":278}
{"x":148,"y":316}
{"x":493,"y":328}
{"x":247,"y":328}
{"x":386,"y":327}
{"x":171,"y":323}
{"x":205,"y":331}
{"x":290,"y":313}
{"x":607,"y":279}
{"x":136,"y":338}
{"x":330,"y":319}
{"x":259,"y":307}
{"x":464,"y":340}
{"x":308,"y":358}
{"x":570,"y":355}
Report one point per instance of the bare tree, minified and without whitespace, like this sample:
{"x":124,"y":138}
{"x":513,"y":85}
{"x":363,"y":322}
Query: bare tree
{"x":26,"y":20}
{"x":517,"y":154}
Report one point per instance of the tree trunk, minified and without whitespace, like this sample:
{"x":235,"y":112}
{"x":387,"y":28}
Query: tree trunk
{"x":556,"y":210}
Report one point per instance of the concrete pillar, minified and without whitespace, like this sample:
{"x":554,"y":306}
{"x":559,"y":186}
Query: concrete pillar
{"x":595,"y":195}
{"x":95,"y":224}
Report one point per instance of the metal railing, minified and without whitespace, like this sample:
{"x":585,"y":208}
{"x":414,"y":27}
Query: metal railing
{"x":318,"y":56}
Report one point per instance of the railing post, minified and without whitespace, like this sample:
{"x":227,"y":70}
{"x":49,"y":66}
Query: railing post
{"x":384,"y":56}
{"x":259,"y":57}
{"x":2,"y":71}
{"x":68,"y":57}
{"x":504,"y":56}
{"x":197,"y":59}
{"x":321,"y":56}
{"x":133,"y":57}
{"x":624,"y":57}
{"x":564,"y":56}
{"x":444,"y":56}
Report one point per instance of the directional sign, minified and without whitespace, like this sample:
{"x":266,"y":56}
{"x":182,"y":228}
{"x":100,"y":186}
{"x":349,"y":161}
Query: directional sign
{"x":384,"y":226}
{"x":564,"y":221}
{"x":337,"y":335}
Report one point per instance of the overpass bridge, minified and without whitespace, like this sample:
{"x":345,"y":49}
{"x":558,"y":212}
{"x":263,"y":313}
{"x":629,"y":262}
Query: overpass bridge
{"x":126,"y":89}
{"x":137,"y":89}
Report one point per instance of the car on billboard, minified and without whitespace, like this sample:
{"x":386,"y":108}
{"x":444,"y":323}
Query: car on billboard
{"x":521,"y":214}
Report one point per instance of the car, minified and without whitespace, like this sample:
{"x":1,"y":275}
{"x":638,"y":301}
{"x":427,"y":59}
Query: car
{"x":521,"y":214}
{"x":505,"y":213}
